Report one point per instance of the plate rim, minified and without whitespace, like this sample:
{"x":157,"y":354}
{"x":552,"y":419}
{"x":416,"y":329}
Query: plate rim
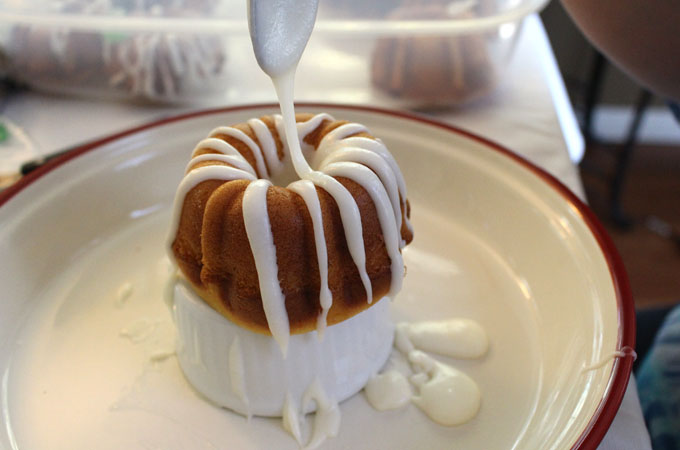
{"x":601,"y":420}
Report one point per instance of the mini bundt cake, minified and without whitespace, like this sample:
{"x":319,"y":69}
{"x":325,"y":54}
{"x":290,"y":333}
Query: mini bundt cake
{"x":433,"y":70}
{"x":315,"y":252}
{"x":159,"y":66}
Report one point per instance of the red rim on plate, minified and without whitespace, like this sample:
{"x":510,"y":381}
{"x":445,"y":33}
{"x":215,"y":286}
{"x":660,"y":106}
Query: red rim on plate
{"x":618,"y":380}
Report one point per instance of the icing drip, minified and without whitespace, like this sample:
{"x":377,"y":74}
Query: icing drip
{"x":369,"y":159}
{"x":123,"y":294}
{"x":196,"y":346}
{"x":169,"y":291}
{"x":343,"y":131}
{"x":261,"y":239}
{"x":267,"y":144}
{"x":307,"y":191}
{"x":623,"y":353}
{"x":229,"y":159}
{"x":351,"y":223}
{"x":190,"y":181}
{"x":242,"y":137}
{"x":291,"y":418}
{"x":369,"y":181}
{"x":218,"y":148}
{"x":327,"y":416}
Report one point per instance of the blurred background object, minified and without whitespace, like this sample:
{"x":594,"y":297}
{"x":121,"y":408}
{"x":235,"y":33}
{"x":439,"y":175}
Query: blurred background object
{"x":60,"y":46}
{"x":631,"y":168}
{"x":16,"y":145}
{"x":427,"y":53}
{"x":438,"y":70}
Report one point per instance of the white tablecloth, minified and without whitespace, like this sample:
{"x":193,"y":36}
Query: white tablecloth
{"x":529,"y":113}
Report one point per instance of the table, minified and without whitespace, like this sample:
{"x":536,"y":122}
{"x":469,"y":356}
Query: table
{"x":529,"y":113}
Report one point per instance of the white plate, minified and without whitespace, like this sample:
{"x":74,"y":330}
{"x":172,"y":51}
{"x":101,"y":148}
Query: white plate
{"x":496,"y":240}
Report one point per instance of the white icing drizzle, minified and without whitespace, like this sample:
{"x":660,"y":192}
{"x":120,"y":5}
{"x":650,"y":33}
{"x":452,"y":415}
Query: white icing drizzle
{"x":372,"y":145}
{"x":369,"y":159}
{"x":123,"y":294}
{"x":197,"y":350}
{"x":624,"y":352}
{"x":284,"y":89}
{"x":139,"y":330}
{"x":258,"y":229}
{"x":327,"y":416}
{"x":193,"y":61}
{"x":347,"y":147}
{"x":291,"y":418}
{"x":351,"y":223}
{"x":370,"y":181}
{"x":217,"y":148}
{"x":190,"y":181}
{"x":218,"y":145}
{"x":169,"y":290}
{"x":244,"y":138}
{"x":160,"y":355}
{"x":237,"y":374}
{"x":343,"y":131}
{"x":307,"y":191}
{"x":306,"y":127}
{"x":229,"y":159}
{"x":267,"y":144}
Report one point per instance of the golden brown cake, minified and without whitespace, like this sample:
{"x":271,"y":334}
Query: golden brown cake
{"x":212,"y":247}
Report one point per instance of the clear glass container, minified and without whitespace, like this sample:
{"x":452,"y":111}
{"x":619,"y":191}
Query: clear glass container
{"x":419,"y":53}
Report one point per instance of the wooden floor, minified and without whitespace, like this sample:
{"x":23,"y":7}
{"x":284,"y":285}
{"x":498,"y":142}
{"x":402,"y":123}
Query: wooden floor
{"x":650,"y":246}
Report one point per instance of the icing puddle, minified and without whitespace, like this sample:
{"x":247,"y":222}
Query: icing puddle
{"x":447,"y":395}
